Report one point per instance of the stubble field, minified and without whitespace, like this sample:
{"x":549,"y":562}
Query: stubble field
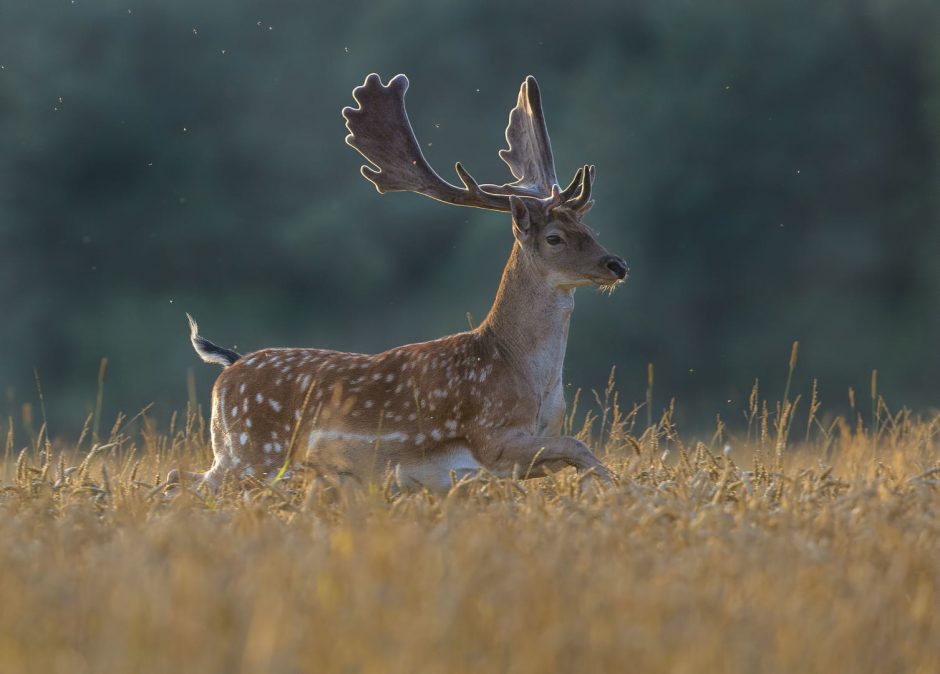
{"x":779,"y":550}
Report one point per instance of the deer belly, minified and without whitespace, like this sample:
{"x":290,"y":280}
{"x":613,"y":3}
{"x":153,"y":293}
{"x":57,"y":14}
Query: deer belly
{"x":433,"y":470}
{"x":369,"y":456}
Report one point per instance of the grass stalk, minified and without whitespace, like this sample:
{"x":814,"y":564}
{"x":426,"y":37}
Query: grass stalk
{"x":99,"y":400}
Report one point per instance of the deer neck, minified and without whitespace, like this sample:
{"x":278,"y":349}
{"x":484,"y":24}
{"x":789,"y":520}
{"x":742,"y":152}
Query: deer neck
{"x":529,"y":321}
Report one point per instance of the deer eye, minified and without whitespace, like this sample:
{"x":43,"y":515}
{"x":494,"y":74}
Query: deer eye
{"x":553,"y":240}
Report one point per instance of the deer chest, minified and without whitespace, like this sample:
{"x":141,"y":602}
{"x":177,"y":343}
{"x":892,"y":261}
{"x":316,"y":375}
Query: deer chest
{"x":551,"y":412}
{"x":545,"y":380}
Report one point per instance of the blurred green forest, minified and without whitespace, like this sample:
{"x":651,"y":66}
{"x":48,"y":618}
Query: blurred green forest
{"x":768,"y":169}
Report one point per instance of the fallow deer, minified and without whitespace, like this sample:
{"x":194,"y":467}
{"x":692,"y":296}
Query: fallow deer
{"x":489,"y":398}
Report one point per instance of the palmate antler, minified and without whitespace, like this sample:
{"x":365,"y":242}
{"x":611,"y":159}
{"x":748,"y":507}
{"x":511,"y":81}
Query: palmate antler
{"x":379,"y":129}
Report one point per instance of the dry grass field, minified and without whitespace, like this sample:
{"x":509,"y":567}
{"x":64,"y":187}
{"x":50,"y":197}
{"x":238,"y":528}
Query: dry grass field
{"x":778,"y":551}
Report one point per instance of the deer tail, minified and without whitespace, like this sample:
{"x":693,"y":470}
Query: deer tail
{"x":209,"y":352}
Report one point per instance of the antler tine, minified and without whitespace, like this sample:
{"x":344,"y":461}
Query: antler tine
{"x":470,"y":184}
{"x":573,"y":186}
{"x":582,"y":202}
{"x":379,"y":130}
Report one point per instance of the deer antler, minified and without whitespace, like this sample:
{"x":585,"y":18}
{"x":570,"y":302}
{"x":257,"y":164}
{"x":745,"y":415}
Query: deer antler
{"x":379,"y":129}
{"x":381,"y":132}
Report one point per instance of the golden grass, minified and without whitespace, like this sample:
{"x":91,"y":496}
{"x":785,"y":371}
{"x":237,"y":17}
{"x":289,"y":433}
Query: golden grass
{"x":771,"y":557}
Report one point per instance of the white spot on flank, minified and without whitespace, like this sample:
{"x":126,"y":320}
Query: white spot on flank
{"x":245,"y":405}
{"x":305,"y":382}
{"x":241,"y":389}
{"x":235,"y":411}
{"x":277,"y":447}
{"x":436,"y":434}
{"x":248,"y":422}
{"x":419,"y":438}
{"x":267,"y":448}
{"x":275,"y":405}
{"x":368,"y":404}
{"x":451,"y":425}
{"x":259,"y":397}
{"x":243,"y":438}
{"x":342,"y":436}
{"x":389,"y":378}
{"x":376,"y":376}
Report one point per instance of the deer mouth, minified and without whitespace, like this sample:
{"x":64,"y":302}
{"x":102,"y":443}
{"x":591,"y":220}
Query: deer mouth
{"x":611,"y":279}
{"x":609,"y":283}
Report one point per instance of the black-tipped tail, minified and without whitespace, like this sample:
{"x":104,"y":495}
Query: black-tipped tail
{"x":209,"y":352}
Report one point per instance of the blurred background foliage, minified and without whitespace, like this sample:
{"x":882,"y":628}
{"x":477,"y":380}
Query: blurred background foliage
{"x":769,"y":170}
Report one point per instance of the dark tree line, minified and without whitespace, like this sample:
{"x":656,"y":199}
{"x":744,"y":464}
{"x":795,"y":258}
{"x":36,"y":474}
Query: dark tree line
{"x":769,"y":170}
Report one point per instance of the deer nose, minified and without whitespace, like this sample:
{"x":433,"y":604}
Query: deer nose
{"x":616,"y":265}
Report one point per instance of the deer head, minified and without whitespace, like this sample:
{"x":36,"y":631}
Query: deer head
{"x":553,"y":241}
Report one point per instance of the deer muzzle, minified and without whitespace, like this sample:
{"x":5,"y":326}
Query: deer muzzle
{"x":616,"y":265}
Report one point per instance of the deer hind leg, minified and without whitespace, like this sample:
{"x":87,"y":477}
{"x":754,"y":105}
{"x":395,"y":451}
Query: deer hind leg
{"x":223,"y":458}
{"x":223,"y":448}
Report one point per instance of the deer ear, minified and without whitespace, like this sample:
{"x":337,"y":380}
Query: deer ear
{"x":521,"y":222}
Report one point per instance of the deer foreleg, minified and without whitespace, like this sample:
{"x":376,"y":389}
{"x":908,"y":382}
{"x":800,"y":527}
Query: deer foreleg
{"x":528,"y":455}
